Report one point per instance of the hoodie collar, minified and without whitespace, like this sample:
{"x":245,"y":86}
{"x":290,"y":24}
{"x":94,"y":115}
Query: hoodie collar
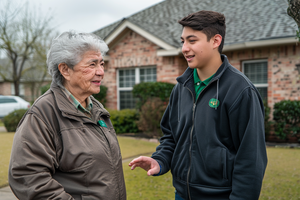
{"x":188,"y":74}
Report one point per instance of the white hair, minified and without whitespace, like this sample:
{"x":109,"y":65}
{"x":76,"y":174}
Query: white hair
{"x":69,"y":48}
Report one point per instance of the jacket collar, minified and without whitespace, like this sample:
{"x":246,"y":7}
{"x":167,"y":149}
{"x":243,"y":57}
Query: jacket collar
{"x":188,"y":74}
{"x":70,"y":111}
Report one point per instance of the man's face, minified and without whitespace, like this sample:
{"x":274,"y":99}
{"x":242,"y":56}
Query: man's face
{"x":195,"y":48}
{"x":86,"y":76}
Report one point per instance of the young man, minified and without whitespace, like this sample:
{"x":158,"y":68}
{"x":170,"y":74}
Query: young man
{"x":214,"y":124}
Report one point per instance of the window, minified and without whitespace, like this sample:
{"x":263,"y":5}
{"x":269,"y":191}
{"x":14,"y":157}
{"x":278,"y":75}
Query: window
{"x":257,"y":72}
{"x":127,"y":78}
{"x":7,"y":100}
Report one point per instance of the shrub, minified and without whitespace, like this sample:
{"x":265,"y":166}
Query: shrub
{"x":267,"y":119}
{"x":45,"y":88}
{"x":12,"y":120}
{"x":146,"y":90}
{"x":150,"y":116}
{"x":101,"y":96}
{"x":287,"y":119}
{"x":124,"y":121}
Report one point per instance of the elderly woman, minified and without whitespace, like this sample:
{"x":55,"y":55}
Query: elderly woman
{"x":65,"y":146}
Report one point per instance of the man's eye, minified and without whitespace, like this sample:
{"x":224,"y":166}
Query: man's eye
{"x":191,"y":41}
{"x":182,"y":42}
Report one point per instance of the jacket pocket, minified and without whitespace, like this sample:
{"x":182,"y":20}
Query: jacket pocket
{"x":224,"y":157}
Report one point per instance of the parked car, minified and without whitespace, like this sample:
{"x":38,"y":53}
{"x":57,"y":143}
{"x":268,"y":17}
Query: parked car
{"x":11,"y":103}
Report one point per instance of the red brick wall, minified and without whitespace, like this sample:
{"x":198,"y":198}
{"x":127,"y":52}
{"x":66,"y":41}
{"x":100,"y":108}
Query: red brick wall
{"x":136,"y":51}
{"x":283,"y":76}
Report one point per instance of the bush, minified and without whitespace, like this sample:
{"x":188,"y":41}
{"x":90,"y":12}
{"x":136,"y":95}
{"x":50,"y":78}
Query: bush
{"x":124,"y":121}
{"x":146,"y":90}
{"x":101,"y":96}
{"x":45,"y":88}
{"x":267,"y":119}
{"x":287,"y":119}
{"x":12,"y":120}
{"x":150,"y":116}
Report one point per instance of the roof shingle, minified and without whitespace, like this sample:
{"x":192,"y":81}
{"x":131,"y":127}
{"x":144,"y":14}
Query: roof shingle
{"x":246,"y":20}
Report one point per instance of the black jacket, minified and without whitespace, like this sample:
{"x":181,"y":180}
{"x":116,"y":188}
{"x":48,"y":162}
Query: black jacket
{"x":214,"y":152}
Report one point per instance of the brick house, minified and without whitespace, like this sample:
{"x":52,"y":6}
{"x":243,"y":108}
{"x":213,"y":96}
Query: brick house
{"x":260,"y":41}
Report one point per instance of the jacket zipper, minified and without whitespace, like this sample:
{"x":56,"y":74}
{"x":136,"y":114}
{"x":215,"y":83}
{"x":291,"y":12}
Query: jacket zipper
{"x":101,"y":132}
{"x":191,"y":136}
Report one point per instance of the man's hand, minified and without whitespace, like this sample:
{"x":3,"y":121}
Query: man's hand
{"x":149,"y":164}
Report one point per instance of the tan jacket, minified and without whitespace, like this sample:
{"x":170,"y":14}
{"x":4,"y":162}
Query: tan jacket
{"x":59,"y":153}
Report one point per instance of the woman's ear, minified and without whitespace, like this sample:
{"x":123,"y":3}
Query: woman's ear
{"x":64,"y":70}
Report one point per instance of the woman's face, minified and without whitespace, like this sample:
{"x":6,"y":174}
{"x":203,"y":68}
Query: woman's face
{"x":86,"y":76}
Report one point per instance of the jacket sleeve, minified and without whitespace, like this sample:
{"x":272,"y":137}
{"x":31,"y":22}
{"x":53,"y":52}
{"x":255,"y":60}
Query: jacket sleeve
{"x":164,"y":152}
{"x":247,"y":128}
{"x":33,"y":161}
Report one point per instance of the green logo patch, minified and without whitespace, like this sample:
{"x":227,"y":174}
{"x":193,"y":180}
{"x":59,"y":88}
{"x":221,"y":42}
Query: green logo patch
{"x":214,"y":103}
{"x":102,"y":123}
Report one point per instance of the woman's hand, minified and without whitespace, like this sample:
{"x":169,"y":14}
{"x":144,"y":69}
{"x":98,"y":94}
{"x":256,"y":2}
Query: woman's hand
{"x":149,"y":164}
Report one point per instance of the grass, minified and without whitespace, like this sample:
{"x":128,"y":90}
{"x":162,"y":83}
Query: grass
{"x":131,"y":147}
{"x":6,"y":140}
{"x":281,"y":182}
{"x":140,"y":186}
{"x":282,"y":178}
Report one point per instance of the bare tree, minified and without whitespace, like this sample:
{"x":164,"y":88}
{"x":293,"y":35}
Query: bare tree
{"x":22,"y":35}
{"x":294,"y":11}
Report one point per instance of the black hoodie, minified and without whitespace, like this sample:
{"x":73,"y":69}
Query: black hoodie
{"x":215,"y":144}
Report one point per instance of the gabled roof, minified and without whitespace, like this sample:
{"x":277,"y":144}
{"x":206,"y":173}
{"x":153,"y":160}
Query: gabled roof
{"x":250,"y":23}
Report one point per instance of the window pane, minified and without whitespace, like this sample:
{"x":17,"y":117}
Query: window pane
{"x":257,"y":72}
{"x":127,"y":100}
{"x":148,"y":74}
{"x":8,"y":100}
{"x":126,"y":77}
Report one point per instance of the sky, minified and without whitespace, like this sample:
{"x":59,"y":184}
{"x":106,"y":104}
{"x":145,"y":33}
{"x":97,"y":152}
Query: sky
{"x":89,"y":15}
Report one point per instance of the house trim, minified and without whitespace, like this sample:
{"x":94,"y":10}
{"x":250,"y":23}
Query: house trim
{"x":127,"y":24}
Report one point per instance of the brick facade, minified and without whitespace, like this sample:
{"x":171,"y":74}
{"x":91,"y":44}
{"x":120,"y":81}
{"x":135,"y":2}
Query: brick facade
{"x":283,"y":74}
{"x":136,"y":51}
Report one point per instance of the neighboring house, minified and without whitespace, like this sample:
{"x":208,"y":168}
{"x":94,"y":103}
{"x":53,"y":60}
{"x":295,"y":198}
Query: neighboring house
{"x":30,"y":83}
{"x":260,"y":42}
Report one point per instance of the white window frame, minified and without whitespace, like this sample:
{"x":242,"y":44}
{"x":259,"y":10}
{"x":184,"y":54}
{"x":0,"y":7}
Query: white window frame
{"x":137,"y":80}
{"x":261,"y":85}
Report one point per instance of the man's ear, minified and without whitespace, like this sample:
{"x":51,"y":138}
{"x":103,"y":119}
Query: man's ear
{"x":217,"y":39}
{"x":64,"y":70}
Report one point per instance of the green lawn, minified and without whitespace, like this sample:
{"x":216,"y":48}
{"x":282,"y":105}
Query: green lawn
{"x":281,"y":182}
{"x":6,"y":140}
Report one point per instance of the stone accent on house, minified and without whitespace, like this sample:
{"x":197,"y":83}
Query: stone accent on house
{"x":134,"y":51}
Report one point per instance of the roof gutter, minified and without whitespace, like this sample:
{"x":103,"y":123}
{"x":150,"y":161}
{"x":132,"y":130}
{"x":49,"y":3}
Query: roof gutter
{"x":260,"y":43}
{"x":239,"y":46}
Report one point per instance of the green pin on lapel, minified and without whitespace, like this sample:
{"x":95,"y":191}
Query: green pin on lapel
{"x":102,"y":123}
{"x":214,"y":103}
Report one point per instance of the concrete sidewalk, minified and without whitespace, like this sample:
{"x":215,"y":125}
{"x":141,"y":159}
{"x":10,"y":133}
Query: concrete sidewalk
{"x":6,"y":194}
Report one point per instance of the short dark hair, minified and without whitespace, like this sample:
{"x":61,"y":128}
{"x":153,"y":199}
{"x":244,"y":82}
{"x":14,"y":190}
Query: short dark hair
{"x":209,"y":22}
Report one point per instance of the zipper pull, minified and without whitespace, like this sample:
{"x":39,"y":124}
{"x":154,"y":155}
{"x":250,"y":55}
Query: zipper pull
{"x":194,"y":106}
